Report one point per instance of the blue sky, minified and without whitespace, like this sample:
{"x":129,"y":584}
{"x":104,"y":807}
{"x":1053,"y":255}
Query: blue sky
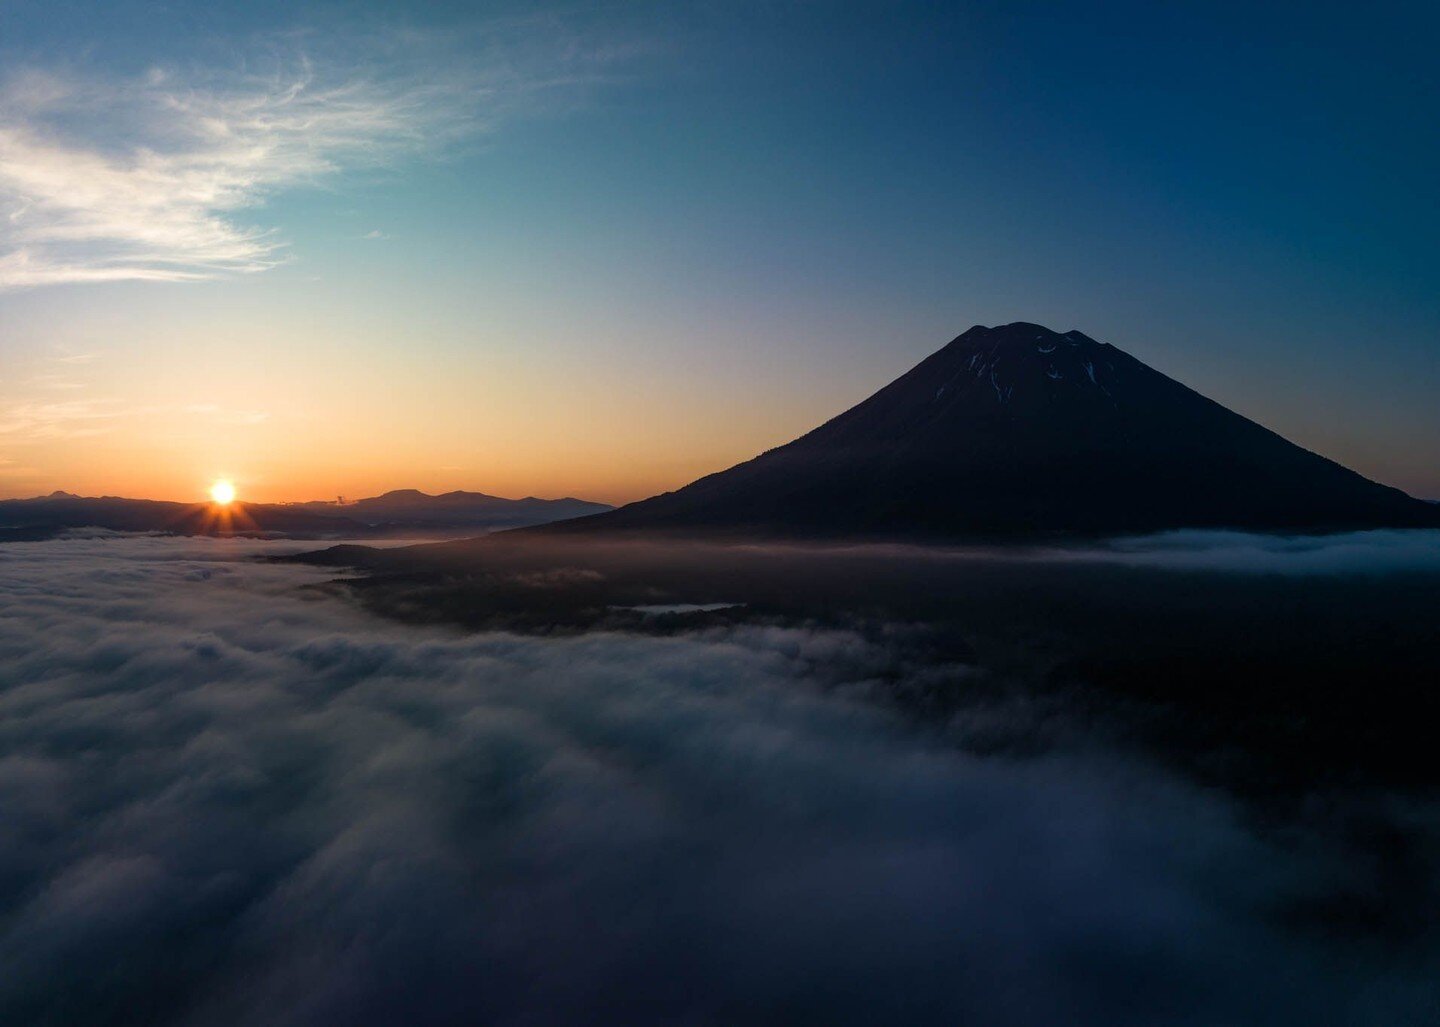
{"x":602,"y":249}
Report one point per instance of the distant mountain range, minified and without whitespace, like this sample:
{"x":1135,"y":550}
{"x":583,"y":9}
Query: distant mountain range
{"x":1020,"y":431}
{"x":412,"y":508}
{"x":395,"y":512}
{"x":45,"y":516}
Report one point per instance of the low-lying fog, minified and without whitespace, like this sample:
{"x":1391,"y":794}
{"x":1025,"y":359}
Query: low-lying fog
{"x":1361,"y":552}
{"x":229,"y":798}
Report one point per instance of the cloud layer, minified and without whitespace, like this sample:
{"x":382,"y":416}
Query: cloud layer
{"x":1385,"y":551}
{"x":233,"y":799}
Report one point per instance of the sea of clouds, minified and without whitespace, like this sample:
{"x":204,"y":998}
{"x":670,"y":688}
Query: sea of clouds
{"x":230,"y":796}
{"x":1380,"y":551}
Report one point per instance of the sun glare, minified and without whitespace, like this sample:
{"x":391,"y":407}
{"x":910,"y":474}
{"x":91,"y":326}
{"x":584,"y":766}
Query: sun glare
{"x":223,"y":492}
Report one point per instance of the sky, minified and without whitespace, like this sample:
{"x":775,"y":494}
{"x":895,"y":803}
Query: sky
{"x":602,"y":249}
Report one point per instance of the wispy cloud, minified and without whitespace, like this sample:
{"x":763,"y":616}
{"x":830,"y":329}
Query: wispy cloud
{"x":12,"y":469}
{"x":54,"y":381}
{"x":87,"y":418}
{"x":74,"y":419}
{"x":154,"y":178}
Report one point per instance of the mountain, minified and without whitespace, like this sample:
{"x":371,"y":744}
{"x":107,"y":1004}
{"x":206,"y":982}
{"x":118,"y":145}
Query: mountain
{"x":405,"y":510}
{"x":44,"y":516}
{"x":1019,"y":430}
{"x":410,"y":508}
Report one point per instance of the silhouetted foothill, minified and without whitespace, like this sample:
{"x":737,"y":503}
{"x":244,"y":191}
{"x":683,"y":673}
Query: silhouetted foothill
{"x":411,"y":508}
{"x":403,"y":511}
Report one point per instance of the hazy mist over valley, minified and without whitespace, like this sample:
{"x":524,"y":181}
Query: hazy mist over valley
{"x":234,"y":795}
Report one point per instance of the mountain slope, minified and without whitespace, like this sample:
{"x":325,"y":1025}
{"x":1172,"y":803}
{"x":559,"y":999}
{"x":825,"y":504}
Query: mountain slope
{"x":1018,"y":429}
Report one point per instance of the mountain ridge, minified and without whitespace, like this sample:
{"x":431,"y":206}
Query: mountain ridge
{"x":44,"y":516}
{"x":456,"y":509}
{"x":400,"y":510}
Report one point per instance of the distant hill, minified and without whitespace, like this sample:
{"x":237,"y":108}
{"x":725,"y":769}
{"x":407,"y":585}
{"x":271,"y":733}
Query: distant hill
{"x":1020,"y":430}
{"x":410,"y":508}
{"x":401,"y":511}
{"x":43,"y":517}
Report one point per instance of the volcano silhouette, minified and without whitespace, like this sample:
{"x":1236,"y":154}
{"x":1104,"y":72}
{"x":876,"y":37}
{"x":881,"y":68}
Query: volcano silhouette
{"x":1019,"y":430}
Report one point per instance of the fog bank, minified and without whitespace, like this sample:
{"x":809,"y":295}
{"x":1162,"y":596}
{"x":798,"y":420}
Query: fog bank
{"x":230,"y":798}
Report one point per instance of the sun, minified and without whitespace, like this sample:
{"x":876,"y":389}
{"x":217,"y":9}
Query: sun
{"x":223,"y":492}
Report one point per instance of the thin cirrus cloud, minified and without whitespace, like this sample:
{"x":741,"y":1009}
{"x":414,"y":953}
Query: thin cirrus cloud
{"x":154,"y":178}
{"x":87,"y":418}
{"x":73,"y":419}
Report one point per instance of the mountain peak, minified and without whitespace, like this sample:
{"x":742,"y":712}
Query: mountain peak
{"x":1022,"y":331}
{"x":1024,"y":367}
{"x":1017,"y":428}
